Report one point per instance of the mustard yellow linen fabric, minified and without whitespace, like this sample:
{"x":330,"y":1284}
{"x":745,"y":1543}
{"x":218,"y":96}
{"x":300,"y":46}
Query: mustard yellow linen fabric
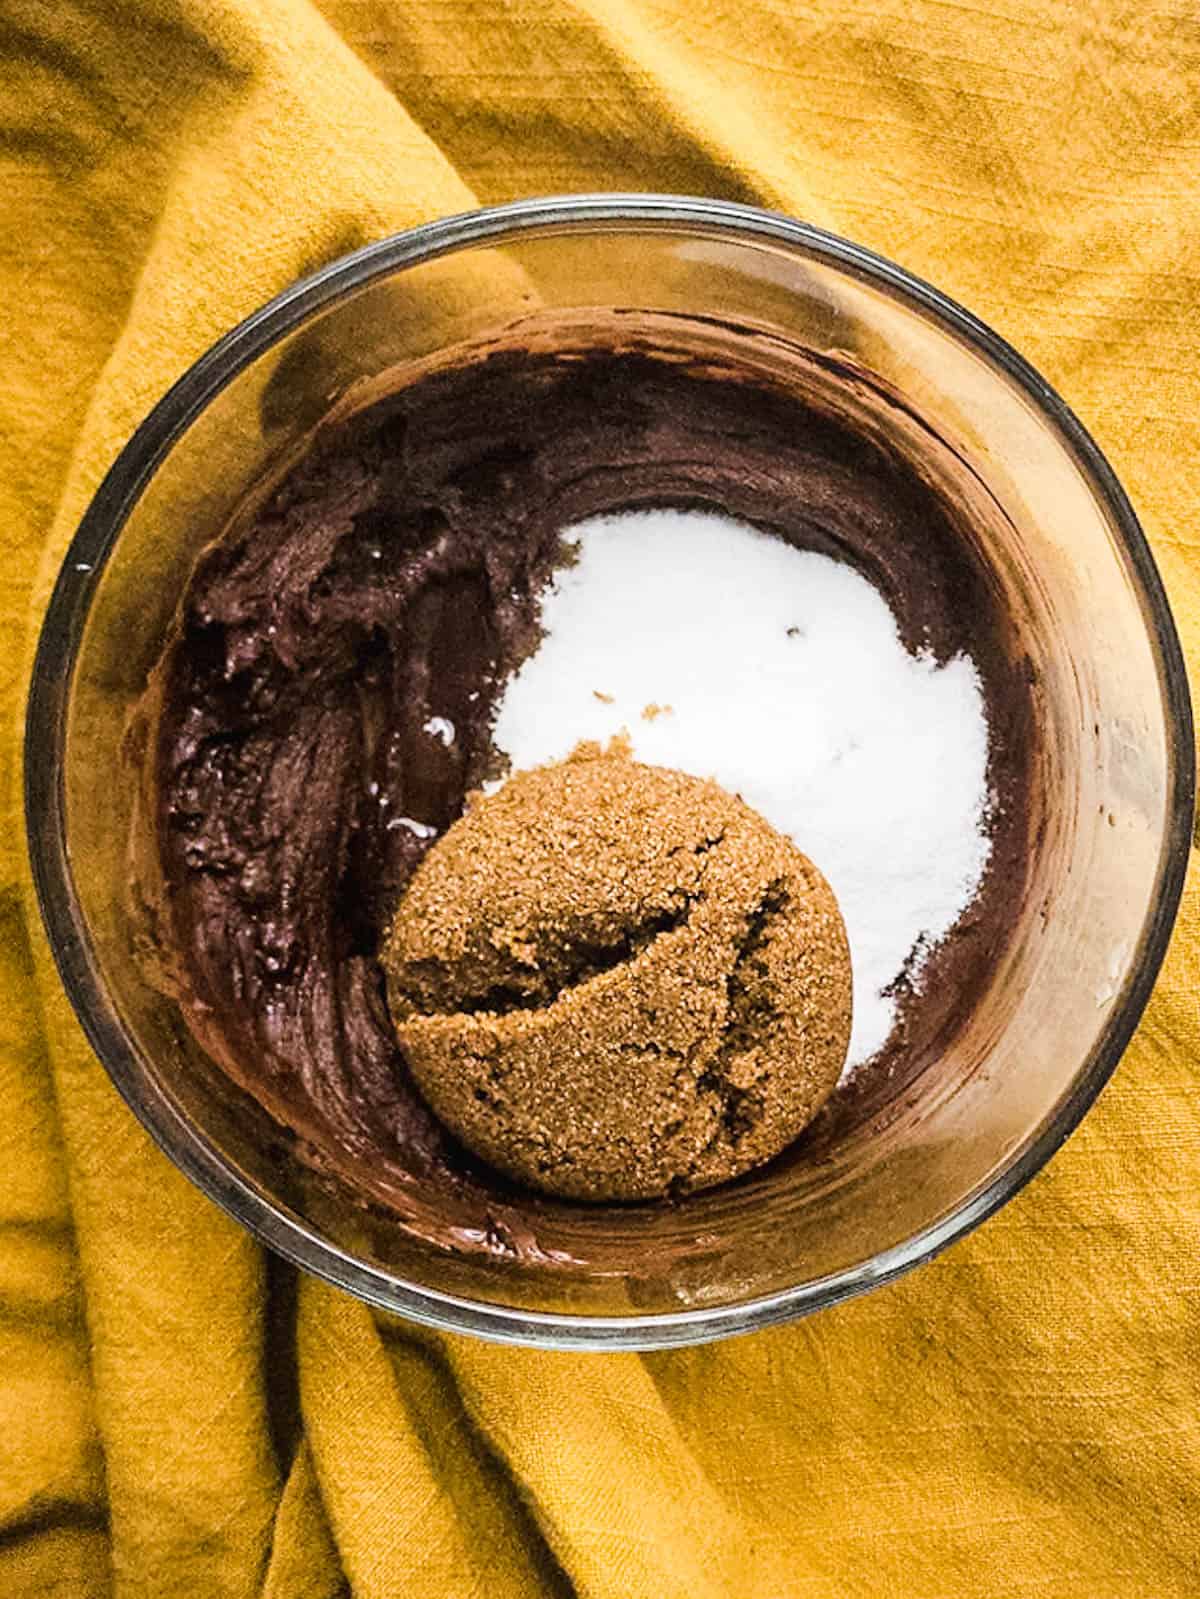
{"x":178,"y":1418}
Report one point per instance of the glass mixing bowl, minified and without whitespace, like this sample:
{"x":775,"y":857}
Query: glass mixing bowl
{"x":915,"y":1167}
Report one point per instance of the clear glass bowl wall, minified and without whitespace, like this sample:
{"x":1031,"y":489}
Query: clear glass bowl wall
{"x":1063,"y":548}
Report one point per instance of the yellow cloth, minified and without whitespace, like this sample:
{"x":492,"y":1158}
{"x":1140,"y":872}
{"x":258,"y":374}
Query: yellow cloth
{"x":1019,"y":1420}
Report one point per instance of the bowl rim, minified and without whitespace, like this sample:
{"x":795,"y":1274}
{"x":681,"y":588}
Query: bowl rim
{"x":277,"y":1226}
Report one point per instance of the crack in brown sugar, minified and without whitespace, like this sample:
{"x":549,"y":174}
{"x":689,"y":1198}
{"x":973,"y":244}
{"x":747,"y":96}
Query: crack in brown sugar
{"x":586,"y":960}
{"x":750,"y":1011}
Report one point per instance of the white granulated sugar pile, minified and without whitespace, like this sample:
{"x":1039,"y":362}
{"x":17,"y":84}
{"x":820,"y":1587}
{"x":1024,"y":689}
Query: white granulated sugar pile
{"x":780,"y":673}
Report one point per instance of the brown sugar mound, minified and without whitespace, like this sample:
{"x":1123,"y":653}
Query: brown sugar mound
{"x":613,"y":981}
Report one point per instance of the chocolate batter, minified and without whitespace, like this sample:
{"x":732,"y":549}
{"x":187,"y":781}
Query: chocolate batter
{"x":392,"y":576}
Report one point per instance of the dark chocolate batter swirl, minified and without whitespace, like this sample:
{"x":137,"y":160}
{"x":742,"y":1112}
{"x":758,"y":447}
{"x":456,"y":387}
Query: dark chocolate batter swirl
{"x":393,"y":576}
